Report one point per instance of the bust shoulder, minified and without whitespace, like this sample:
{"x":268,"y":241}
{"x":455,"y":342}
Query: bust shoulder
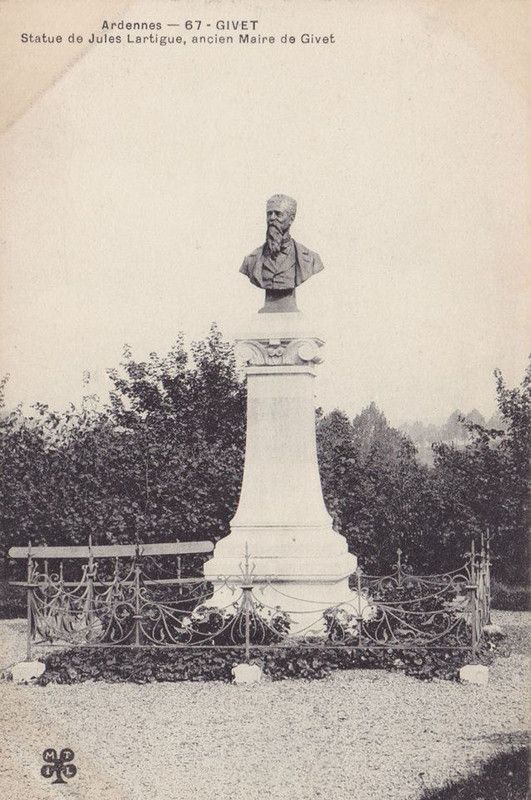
{"x":309,"y":261}
{"x":251,"y":266}
{"x":252,"y":257}
{"x":256,"y":253}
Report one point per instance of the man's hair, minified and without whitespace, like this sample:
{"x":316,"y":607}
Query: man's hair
{"x":289,"y":202}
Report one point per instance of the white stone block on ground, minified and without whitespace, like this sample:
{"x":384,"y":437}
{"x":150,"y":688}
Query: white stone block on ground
{"x":493,"y":630}
{"x":474,"y":673}
{"x":26,"y":671}
{"x":247,"y":673}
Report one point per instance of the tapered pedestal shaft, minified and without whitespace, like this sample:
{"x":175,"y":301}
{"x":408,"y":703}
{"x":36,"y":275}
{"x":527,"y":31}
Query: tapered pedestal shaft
{"x":281,"y":518}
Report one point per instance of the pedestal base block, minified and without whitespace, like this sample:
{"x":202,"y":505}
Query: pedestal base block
{"x":303,"y":572}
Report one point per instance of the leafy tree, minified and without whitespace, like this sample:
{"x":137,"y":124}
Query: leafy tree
{"x":379,"y":496}
{"x":185,"y":425}
{"x":483,"y":488}
{"x":162,"y":461}
{"x":374,"y":437}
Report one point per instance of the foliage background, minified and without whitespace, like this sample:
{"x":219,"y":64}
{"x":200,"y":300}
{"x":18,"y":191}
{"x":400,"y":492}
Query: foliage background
{"x":163,"y":461}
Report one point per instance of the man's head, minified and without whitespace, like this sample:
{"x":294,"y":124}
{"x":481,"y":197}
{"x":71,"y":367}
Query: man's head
{"x":280,"y":213}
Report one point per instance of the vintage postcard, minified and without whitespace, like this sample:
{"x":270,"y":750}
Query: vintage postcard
{"x":264,"y":414}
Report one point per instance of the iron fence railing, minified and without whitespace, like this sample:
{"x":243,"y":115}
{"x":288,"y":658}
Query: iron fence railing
{"x":119,"y":604}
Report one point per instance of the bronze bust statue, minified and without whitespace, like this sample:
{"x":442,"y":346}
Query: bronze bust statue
{"x":281,"y":263}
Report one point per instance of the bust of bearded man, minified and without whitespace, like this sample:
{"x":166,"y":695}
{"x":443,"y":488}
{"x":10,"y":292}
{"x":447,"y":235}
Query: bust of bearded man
{"x":281,"y":263}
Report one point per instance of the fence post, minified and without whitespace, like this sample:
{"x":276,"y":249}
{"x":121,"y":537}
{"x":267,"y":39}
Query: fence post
{"x":359,"y":616}
{"x":473,"y":600}
{"x":487,"y":577}
{"x":137,"y":616}
{"x":29,"y":593}
{"x":247,"y":600}
{"x":45,"y":601}
{"x":482,"y":583}
{"x":90,"y":588}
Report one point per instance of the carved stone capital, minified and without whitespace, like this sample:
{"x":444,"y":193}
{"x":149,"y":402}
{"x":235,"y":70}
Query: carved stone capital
{"x":279,"y":352}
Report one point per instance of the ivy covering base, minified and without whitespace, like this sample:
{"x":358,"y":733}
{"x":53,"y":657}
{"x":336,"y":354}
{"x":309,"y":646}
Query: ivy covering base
{"x":119,"y":665}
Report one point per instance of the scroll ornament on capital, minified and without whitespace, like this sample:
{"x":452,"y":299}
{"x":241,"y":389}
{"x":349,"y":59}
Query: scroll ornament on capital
{"x":279,"y":352}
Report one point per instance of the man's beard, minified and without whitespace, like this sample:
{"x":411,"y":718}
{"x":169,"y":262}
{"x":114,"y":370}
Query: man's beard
{"x":275,"y":237}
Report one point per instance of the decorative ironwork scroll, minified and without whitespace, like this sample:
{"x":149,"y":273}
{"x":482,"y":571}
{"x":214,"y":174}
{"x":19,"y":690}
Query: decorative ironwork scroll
{"x":125,"y":602}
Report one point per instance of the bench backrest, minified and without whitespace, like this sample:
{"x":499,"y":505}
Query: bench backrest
{"x":113,"y":550}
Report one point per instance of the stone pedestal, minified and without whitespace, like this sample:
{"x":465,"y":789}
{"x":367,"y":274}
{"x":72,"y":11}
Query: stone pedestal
{"x":281,"y":520}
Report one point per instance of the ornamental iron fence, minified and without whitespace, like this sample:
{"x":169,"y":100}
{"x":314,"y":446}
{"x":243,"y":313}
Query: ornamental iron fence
{"x":119,"y":599}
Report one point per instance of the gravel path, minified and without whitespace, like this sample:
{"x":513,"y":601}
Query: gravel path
{"x":361,"y":734}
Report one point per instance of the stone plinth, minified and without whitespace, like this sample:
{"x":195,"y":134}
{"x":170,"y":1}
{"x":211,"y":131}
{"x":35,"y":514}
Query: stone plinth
{"x":281,"y":517}
{"x":474,"y":673}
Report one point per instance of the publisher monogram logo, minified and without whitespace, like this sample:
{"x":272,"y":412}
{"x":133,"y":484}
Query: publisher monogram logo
{"x":61,"y":766}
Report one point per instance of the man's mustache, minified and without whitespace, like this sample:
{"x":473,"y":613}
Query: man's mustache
{"x":276,"y":228}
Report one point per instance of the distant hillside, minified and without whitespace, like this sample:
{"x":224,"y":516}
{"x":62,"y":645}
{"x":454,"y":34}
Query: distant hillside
{"x":451,"y":432}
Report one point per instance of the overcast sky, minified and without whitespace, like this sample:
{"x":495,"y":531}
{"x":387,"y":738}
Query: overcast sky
{"x":137,"y":183}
